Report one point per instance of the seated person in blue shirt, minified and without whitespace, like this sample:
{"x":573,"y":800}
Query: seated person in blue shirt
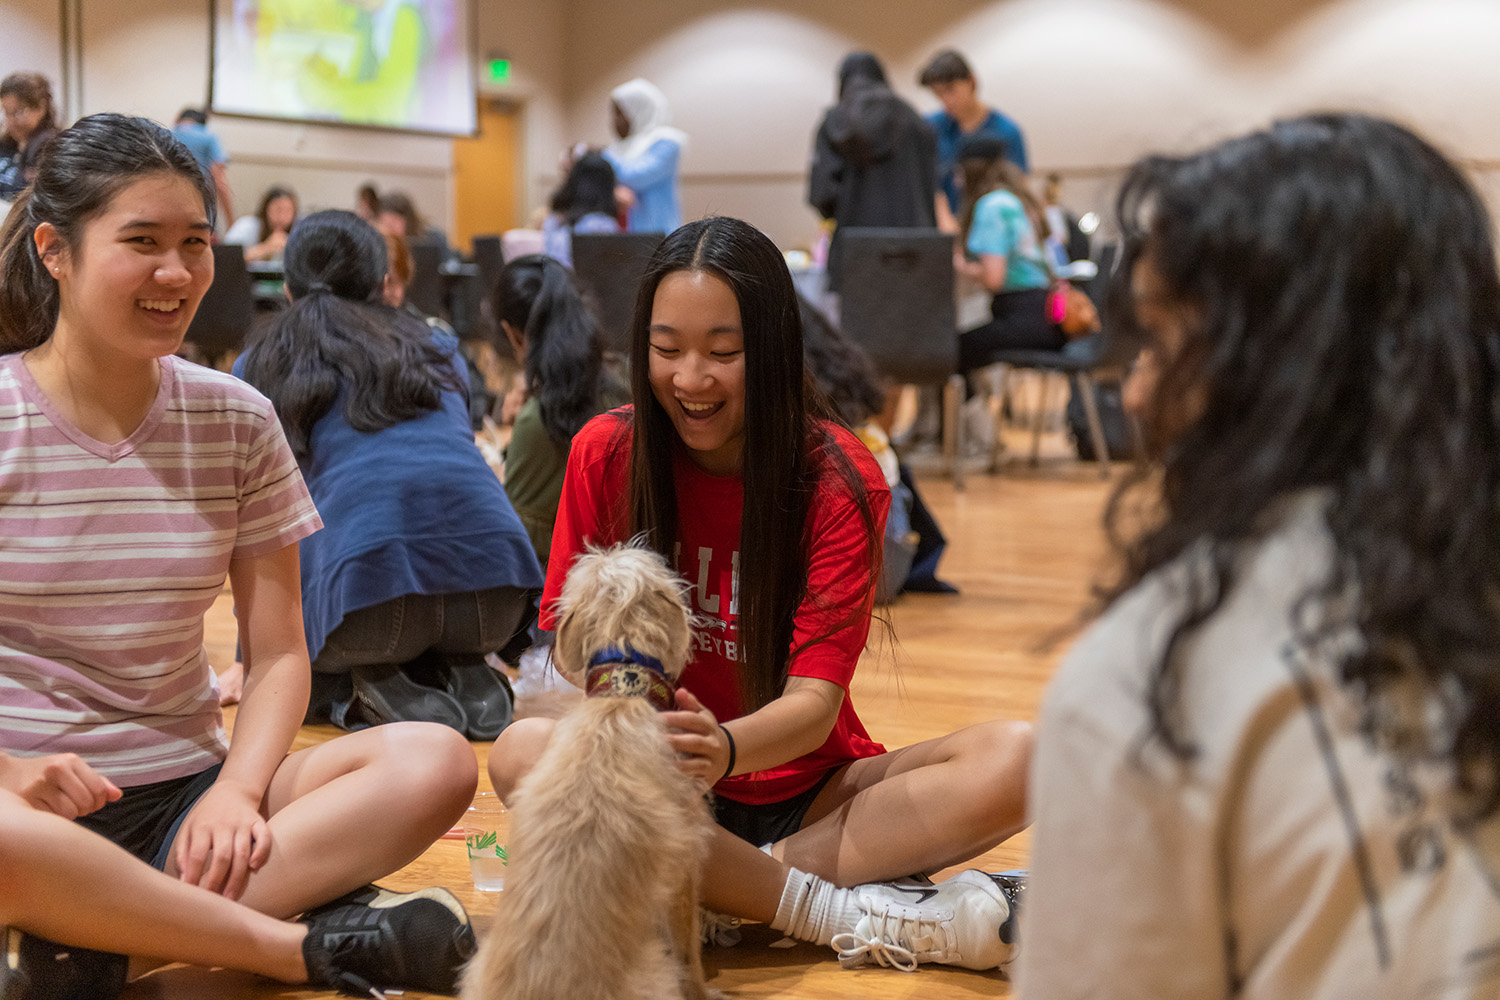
{"x":422,"y":567}
{"x":952,"y":82}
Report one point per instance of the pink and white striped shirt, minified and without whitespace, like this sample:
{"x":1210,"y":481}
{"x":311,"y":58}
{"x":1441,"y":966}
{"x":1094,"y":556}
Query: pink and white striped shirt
{"x":110,"y":554}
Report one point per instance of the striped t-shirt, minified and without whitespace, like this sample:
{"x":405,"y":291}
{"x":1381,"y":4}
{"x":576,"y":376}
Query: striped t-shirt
{"x":110,"y":554}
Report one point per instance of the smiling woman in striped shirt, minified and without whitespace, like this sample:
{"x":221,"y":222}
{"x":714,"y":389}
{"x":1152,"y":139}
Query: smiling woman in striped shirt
{"x":131,"y":484}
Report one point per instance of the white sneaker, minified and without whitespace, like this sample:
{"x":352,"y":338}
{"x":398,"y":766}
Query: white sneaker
{"x":957,"y":922}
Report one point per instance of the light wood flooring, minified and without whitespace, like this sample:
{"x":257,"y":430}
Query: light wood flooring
{"x":1024,"y":546}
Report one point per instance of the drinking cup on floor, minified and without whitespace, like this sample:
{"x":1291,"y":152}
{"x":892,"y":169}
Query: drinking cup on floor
{"x":485,"y":830}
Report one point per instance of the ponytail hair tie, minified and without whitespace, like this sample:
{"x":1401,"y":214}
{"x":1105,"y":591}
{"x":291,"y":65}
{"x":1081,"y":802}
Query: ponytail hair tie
{"x":319,"y":286}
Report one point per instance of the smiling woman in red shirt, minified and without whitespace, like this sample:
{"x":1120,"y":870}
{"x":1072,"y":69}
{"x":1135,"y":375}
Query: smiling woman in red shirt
{"x":733,"y":469}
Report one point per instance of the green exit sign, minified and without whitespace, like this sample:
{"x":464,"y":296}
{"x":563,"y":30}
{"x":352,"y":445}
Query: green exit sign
{"x":499,"y":70}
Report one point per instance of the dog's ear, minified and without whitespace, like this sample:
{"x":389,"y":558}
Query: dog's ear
{"x":569,"y":652}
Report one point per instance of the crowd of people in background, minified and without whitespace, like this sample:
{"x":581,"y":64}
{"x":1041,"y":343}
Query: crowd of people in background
{"x":1269,"y":769}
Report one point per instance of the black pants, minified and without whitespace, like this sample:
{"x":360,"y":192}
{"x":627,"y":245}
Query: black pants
{"x":1018,"y":322}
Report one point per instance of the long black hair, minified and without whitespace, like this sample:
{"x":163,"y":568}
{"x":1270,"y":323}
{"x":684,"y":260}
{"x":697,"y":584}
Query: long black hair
{"x":564,"y":352}
{"x":79,"y":174}
{"x":589,"y":187}
{"x":787,"y":447}
{"x":1337,"y":286}
{"x":840,"y":369}
{"x":338,"y":336}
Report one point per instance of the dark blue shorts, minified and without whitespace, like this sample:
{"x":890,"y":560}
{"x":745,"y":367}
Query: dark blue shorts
{"x":145,"y":819}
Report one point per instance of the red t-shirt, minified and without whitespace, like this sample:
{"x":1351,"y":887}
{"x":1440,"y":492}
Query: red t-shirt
{"x":595,"y":508}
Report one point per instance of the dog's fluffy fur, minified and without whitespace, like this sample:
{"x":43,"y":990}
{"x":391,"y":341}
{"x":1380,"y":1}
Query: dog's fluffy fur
{"x":607,"y":836}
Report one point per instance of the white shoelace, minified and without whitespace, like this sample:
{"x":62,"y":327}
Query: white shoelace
{"x":895,"y":946}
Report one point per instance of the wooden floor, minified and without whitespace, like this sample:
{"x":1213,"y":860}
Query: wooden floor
{"x":1024,"y":545}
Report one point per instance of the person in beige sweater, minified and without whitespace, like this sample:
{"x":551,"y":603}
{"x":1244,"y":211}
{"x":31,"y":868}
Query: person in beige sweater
{"x":1271,"y":769}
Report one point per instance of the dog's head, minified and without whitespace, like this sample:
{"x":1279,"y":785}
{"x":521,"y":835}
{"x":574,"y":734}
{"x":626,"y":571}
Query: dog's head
{"x":621,"y":597}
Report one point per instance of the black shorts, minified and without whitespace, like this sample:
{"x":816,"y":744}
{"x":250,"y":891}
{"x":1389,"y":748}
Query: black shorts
{"x":767,"y":822}
{"x":144,"y":820}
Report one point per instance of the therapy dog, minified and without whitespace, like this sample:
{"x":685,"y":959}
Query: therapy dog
{"x":607,"y":835}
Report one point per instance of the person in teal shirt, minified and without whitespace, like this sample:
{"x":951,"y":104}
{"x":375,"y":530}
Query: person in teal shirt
{"x":1002,"y":225}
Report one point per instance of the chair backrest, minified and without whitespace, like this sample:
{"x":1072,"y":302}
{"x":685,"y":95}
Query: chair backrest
{"x":489,"y":257}
{"x":897,"y":301}
{"x":1106,"y":256}
{"x":609,"y":268}
{"x":227,"y":311}
{"x":426,"y":291}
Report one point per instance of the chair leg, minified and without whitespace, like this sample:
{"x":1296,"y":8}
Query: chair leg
{"x":1086,"y":388}
{"x":1038,"y":418}
{"x":999,"y":392}
{"x":953,"y":428}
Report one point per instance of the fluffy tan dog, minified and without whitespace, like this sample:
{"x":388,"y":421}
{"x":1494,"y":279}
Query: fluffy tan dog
{"x":607,"y":836}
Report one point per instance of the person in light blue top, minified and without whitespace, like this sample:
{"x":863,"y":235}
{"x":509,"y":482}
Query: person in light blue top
{"x":423,"y":566}
{"x":647,"y":156}
{"x":952,"y":82}
{"x":1002,"y":226}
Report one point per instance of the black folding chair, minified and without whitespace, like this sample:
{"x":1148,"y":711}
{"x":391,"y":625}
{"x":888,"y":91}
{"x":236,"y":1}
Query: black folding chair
{"x":609,"y":267}
{"x":227,"y":311}
{"x":897,"y":303}
{"x":426,"y":289}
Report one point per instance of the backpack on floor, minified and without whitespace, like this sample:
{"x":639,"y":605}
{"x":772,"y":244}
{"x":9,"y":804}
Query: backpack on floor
{"x":1119,"y":434}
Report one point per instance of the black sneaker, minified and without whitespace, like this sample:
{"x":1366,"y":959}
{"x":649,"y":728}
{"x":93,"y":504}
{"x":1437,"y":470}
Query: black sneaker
{"x":386,"y":694}
{"x":374,"y":939}
{"x":485,"y":695}
{"x":34,"y":968}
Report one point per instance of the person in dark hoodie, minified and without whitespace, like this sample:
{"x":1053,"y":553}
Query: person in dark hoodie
{"x":874,"y":160}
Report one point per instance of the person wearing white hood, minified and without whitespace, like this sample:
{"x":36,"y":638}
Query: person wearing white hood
{"x":646,"y":155}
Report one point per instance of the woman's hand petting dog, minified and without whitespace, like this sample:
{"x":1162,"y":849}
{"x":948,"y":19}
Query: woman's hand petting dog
{"x":700,"y":742}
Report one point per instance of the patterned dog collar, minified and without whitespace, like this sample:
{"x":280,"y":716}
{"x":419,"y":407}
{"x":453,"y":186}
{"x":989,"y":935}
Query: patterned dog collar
{"x":621,"y":673}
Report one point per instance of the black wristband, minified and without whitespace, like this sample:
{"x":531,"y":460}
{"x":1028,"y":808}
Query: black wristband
{"x":728,"y":768}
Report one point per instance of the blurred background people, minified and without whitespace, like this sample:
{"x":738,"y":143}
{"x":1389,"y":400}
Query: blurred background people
{"x":367,"y":203}
{"x":873,"y":158}
{"x":264,"y":234}
{"x":584,"y":203}
{"x":398,"y":214}
{"x":192,"y":131}
{"x":646,"y":156}
{"x":1001,"y":226}
{"x":952,"y":82}
{"x":30,"y":120}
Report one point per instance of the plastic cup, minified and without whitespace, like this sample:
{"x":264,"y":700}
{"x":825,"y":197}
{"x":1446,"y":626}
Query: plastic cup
{"x":485,"y":829}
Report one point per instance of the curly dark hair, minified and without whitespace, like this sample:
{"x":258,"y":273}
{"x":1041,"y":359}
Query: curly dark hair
{"x":1341,"y":332}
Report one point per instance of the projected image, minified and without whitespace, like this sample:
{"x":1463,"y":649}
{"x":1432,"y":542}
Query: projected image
{"x":387,"y":63}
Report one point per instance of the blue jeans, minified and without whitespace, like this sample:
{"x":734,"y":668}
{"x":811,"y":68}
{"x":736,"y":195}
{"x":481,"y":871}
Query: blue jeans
{"x":456,"y":627}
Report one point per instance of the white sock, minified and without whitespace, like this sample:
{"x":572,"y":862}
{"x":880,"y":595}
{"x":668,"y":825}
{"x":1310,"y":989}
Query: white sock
{"x":813,"y":909}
